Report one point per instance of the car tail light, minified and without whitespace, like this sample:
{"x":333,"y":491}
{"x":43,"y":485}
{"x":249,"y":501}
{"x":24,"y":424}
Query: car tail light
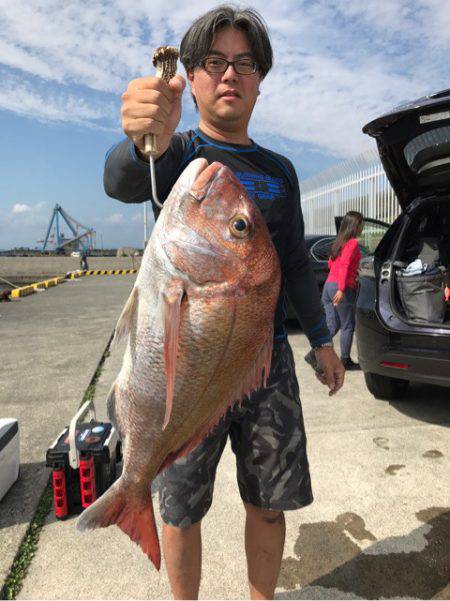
{"x":395,"y":365}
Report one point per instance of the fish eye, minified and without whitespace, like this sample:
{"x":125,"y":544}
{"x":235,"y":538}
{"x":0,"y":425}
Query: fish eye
{"x":239,"y":226}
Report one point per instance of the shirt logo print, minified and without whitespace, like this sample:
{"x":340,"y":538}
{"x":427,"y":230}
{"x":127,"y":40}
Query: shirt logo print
{"x":260,"y":186}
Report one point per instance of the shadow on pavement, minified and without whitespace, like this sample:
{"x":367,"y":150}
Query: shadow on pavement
{"x":413,"y":566}
{"x":20,"y":502}
{"x":426,"y":403}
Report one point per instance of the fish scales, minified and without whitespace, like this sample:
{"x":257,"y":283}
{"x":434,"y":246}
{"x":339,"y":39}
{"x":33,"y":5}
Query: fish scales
{"x":199,"y":323}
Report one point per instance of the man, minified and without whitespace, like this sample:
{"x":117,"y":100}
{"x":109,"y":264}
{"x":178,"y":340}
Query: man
{"x":83,"y":260}
{"x":227,"y":53}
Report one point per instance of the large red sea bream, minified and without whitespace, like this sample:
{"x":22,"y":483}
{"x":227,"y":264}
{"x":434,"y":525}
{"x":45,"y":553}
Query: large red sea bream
{"x":199,"y":323}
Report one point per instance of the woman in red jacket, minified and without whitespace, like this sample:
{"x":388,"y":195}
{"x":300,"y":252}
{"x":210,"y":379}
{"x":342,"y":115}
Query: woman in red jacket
{"x":339,"y":291}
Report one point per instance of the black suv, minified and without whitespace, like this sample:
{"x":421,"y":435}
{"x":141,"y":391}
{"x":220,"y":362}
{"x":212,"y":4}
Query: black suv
{"x":402,"y":319}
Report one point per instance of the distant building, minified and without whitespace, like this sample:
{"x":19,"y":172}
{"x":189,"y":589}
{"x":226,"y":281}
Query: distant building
{"x":128,"y":251}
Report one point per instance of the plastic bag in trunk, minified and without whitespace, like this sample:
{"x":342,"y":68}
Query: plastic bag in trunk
{"x":422,"y":296}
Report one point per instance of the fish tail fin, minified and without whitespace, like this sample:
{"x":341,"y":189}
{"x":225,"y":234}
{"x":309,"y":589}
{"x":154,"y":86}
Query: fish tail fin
{"x":137,"y":519}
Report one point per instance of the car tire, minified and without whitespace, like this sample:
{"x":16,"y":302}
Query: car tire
{"x":383,"y":387}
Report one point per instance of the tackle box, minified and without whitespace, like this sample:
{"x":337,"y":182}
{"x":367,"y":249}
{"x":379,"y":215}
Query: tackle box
{"x":9,"y":454}
{"x":84,"y":461}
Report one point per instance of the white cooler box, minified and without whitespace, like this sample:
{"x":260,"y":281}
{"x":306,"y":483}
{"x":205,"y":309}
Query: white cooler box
{"x":9,"y":454}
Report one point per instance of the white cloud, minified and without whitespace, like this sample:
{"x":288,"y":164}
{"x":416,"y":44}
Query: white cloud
{"x":18,"y":58}
{"x":344,"y":101}
{"x":337,"y":63}
{"x":55,"y":105}
{"x":115,"y":218}
{"x":22,"y":224}
{"x":20,"y":208}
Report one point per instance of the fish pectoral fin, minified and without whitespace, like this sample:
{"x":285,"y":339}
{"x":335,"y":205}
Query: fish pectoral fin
{"x":123,"y":327}
{"x":172,"y":298}
{"x":111,"y":409}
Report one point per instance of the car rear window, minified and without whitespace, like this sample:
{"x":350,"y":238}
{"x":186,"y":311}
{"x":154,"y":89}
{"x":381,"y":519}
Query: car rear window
{"x":429,"y":152}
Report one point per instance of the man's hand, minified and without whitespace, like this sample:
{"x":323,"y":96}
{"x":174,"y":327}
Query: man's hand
{"x":151,"y":106}
{"x":338,"y":298}
{"x":333,"y":370}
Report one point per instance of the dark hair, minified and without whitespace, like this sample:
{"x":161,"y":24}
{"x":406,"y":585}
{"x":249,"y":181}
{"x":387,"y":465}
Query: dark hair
{"x":197,"y":41}
{"x":349,"y":228}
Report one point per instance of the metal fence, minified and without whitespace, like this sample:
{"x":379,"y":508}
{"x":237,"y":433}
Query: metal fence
{"x":358,"y":184}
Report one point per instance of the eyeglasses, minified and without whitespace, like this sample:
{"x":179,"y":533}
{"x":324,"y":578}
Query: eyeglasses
{"x":242,"y":66}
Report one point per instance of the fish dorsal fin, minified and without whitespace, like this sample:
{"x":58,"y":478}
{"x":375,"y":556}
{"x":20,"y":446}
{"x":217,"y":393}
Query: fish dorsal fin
{"x":123,"y":327}
{"x":172,"y":298}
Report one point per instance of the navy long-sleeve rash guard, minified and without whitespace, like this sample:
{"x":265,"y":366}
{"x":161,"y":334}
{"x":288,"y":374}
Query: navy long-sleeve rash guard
{"x":272,"y":183}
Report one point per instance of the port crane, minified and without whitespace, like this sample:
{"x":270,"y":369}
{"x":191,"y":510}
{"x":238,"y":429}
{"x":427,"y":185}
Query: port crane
{"x":82,"y":235}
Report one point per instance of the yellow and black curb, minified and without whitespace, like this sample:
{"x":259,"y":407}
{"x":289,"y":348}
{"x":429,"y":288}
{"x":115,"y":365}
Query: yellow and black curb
{"x":78,"y":274}
{"x":44,"y":284}
{"x":31,"y":288}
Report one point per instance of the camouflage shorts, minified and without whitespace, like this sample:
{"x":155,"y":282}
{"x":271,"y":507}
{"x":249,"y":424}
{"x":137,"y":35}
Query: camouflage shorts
{"x":268,"y":438}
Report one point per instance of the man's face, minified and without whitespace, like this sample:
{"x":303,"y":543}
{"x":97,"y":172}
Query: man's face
{"x":226,"y":98}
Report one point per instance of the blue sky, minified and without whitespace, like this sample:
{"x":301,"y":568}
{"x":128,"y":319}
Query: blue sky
{"x":64,"y":65}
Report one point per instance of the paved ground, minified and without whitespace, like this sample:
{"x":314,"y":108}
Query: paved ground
{"x":379,"y":527}
{"x":51,"y":344}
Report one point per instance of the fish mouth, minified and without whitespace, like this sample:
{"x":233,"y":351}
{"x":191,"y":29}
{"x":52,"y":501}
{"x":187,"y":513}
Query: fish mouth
{"x":205,"y":179}
{"x":198,"y":177}
{"x":188,"y":249}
